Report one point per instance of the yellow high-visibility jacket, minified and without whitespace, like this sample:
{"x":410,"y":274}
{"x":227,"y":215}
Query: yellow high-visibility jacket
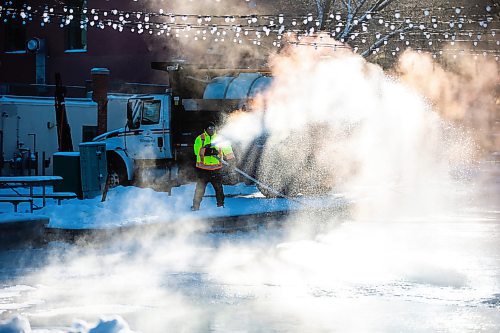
{"x":210,"y":162}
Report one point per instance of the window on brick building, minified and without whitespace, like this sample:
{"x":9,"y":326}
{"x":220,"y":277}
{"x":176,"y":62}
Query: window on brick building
{"x":88,"y":133}
{"x":75,"y":32}
{"x":15,"y":32}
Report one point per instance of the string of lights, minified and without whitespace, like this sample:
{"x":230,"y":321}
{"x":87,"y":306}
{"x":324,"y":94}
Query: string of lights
{"x":431,"y":27}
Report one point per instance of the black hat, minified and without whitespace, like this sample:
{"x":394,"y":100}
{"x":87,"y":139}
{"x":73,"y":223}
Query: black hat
{"x":210,"y":124}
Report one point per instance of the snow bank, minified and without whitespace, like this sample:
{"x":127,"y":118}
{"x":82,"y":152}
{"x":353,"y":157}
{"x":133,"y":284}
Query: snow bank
{"x":115,"y":324}
{"x":15,"y":324}
{"x":133,"y":206}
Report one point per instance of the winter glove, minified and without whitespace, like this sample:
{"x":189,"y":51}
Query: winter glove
{"x":210,"y":151}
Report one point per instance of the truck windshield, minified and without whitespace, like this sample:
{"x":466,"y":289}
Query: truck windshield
{"x":151,"y":112}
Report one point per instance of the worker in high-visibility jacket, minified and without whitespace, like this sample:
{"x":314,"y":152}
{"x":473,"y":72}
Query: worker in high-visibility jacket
{"x":209,"y":155}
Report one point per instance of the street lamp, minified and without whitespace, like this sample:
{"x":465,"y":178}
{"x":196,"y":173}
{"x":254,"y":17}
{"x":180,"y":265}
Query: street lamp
{"x":37,"y":46}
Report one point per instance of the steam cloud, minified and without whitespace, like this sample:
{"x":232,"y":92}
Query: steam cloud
{"x":465,"y":93}
{"x":335,"y":121}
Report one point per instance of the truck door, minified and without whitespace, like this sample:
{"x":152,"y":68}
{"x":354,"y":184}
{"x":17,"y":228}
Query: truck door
{"x":147,"y":133}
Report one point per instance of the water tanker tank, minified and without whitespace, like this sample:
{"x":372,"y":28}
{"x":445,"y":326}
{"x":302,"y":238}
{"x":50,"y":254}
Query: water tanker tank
{"x":243,"y":86}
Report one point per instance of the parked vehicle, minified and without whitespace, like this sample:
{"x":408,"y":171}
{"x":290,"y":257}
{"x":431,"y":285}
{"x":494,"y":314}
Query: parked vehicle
{"x":156,"y":145}
{"x":152,"y":135}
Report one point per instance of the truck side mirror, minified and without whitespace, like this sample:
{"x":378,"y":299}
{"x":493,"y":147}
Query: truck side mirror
{"x":134,"y":108}
{"x":130,"y":114}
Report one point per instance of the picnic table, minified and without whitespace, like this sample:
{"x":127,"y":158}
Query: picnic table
{"x":27,"y":181}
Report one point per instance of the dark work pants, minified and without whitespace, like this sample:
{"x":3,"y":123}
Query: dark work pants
{"x":204,"y":177}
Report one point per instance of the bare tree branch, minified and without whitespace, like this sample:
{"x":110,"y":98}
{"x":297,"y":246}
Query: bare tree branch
{"x":320,"y":9}
{"x":325,"y":11}
{"x":379,"y":42}
{"x":360,"y":5}
{"x":382,"y":4}
{"x":377,"y":6}
{"x":350,"y":17}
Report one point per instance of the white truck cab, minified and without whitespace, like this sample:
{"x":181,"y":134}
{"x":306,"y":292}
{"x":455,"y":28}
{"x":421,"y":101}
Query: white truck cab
{"x":144,"y":142}
{"x":156,"y":143}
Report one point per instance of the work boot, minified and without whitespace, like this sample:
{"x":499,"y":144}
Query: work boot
{"x":193,"y":208}
{"x":220,"y":205}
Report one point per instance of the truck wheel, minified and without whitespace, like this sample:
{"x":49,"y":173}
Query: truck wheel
{"x":116,"y":178}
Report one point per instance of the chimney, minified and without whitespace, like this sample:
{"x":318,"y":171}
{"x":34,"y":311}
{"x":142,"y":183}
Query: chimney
{"x":100,"y":78}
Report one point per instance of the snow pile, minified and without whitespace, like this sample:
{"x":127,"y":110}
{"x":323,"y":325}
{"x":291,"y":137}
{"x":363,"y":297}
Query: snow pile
{"x":132,"y":206}
{"x":115,"y":324}
{"x":15,"y":324}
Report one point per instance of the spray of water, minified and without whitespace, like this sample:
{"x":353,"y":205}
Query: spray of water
{"x":335,"y":121}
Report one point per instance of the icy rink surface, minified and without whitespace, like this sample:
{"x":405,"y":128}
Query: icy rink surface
{"x":428,"y":272}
